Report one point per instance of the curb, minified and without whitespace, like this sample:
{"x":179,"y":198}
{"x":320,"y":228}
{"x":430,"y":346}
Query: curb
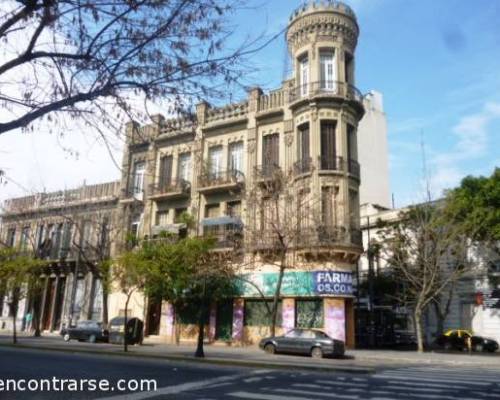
{"x":208,"y":360}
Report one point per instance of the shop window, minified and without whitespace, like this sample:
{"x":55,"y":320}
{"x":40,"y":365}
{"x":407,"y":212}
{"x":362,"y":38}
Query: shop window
{"x":256,"y":313}
{"x":189,"y":314}
{"x":309,"y":313}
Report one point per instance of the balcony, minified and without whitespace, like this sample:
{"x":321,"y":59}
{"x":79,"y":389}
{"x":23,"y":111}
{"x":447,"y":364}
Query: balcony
{"x":303,"y":166}
{"x":331,"y":163}
{"x":175,"y":188}
{"x":226,"y":230}
{"x":267,"y":172}
{"x":221,"y":181}
{"x":338,"y":164}
{"x":328,"y":236}
{"x":132,"y":194}
{"x":327,"y":89}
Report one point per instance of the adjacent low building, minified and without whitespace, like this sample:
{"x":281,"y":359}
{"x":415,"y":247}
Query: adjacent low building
{"x":72,"y":230}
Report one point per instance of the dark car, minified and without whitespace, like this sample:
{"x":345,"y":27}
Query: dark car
{"x":304,"y":341}
{"x":134,"y":330}
{"x":457,"y":339}
{"x":91,"y":331}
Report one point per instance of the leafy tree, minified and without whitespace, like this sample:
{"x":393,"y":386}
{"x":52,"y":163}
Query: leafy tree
{"x":128,"y":275}
{"x":427,"y":255}
{"x":78,"y":58}
{"x":475,"y":205}
{"x":186,"y":272}
{"x":20,"y":277}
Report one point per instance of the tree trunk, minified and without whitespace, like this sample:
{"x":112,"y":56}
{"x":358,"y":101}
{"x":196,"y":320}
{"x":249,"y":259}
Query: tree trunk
{"x":440,"y":318}
{"x":14,"y":318}
{"x":201,"y":332}
{"x":105,"y":317}
{"x":36,"y":316}
{"x":274,"y":313}
{"x":418,"y":330}
{"x":125,"y":342}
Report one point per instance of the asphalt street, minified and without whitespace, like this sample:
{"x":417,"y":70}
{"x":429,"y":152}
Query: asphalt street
{"x":185,"y":380}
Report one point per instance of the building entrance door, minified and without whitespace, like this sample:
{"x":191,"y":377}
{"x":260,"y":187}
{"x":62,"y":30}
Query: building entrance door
{"x":154,"y":317}
{"x":224,"y":321}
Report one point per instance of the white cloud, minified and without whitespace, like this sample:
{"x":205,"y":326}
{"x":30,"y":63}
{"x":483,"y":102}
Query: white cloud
{"x":472,"y":143}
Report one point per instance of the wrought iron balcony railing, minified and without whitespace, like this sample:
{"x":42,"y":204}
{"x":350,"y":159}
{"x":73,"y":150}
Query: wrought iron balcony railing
{"x":267,"y":171}
{"x":303,"y":166}
{"x":179,"y":185}
{"x":326,"y":88}
{"x":336,"y":163}
{"x":218,"y":178}
{"x":331,"y":163}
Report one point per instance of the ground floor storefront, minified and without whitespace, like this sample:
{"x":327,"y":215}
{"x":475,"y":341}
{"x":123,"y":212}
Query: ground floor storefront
{"x":309,"y":299}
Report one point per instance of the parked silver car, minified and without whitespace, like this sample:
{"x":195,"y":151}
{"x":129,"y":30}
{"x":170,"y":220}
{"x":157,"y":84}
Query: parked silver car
{"x":304,"y":341}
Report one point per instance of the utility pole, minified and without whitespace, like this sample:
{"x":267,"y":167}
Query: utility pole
{"x":370,"y":288}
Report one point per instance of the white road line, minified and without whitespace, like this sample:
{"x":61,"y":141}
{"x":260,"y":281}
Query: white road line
{"x":445,"y":376}
{"x":246,"y":395}
{"x":427,"y":384}
{"x":308,"y":392}
{"x":424,"y":379}
{"x":415,"y":389}
{"x":174,"y":389}
{"x":336,"y":383}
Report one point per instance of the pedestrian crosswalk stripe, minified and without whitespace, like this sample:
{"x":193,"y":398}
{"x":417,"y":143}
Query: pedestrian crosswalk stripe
{"x":258,"y":396}
{"x":446,"y":376}
{"x":337,"y":383}
{"x":322,"y":394}
{"x":424,"y":379}
{"x":427,"y":384}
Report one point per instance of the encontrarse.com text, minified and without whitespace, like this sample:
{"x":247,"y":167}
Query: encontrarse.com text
{"x":77,"y":385}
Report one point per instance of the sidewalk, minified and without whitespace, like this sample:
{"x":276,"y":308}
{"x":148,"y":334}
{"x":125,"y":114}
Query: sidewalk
{"x":356,"y":361}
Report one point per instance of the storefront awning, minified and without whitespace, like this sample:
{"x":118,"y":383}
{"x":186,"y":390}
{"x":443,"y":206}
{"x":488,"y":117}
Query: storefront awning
{"x":225,"y":220}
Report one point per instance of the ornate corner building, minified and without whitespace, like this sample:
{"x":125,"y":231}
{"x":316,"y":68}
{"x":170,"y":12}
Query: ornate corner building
{"x":211,"y":163}
{"x":221,"y":165}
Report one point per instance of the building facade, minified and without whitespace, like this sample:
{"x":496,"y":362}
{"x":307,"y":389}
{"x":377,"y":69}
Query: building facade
{"x":72,"y":230}
{"x":474,"y":303}
{"x":208,"y":164}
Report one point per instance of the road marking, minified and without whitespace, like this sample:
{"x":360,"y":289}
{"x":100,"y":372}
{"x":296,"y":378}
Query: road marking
{"x":444,"y":376}
{"x":427,"y":384}
{"x":423,"y":379}
{"x":183,"y":387}
{"x":336,"y":383}
{"x":246,"y":395}
{"x":308,"y":392}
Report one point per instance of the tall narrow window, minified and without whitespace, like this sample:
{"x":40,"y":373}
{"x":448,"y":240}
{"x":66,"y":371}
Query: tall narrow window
{"x":353,"y":209}
{"x":11,"y":237}
{"x":66,"y":239}
{"x":86,"y":234}
{"x":184,"y":171}
{"x":139,"y":172}
{"x":349,"y":68}
{"x":39,"y":236}
{"x":56,"y":242}
{"x":303,"y":148}
{"x":25,"y":236}
{"x":165,"y":171}
{"x":327,"y":70}
{"x":270,"y":153}
{"x":352,"y":150}
{"x":215,"y":161}
{"x":162,"y":217}
{"x":212,"y":210}
{"x":328,"y":146}
{"x":236,"y":157}
{"x":304,"y":76}
{"x":234,"y":209}
{"x":134,"y":226}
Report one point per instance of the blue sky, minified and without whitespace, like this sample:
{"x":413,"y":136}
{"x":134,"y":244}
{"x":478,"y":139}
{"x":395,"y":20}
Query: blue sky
{"x":437,"y":63}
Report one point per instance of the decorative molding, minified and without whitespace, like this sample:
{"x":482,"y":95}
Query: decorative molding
{"x":289,"y":139}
